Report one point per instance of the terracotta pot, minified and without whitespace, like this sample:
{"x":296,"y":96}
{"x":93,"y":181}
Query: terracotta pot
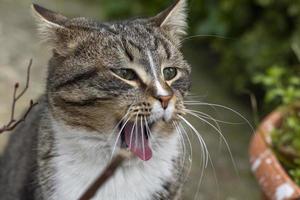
{"x":271,"y":176}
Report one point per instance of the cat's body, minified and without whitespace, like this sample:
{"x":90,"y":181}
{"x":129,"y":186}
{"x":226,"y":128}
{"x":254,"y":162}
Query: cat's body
{"x":36,"y":172}
{"x":92,"y":109}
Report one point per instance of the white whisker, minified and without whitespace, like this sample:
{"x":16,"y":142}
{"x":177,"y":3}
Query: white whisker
{"x":207,"y":35}
{"x":198,"y":135}
{"x":182,"y":144}
{"x":143,"y":145}
{"x":205,"y":153}
{"x":148,"y":131}
{"x":224,"y":107}
{"x":206,"y":116}
{"x":190,"y":158}
{"x":131,"y":133}
{"x":118,"y":137}
{"x":224,"y":139}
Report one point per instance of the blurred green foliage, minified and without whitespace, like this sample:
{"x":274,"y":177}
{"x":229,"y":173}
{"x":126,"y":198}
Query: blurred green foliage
{"x":286,"y":141}
{"x":281,"y":85}
{"x":263,"y":33}
{"x":295,"y":173}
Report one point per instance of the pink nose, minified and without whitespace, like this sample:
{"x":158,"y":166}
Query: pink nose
{"x":164,"y":100}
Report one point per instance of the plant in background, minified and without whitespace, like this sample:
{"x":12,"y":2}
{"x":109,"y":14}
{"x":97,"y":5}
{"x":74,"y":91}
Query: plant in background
{"x":286,"y":141}
{"x":282,"y":86}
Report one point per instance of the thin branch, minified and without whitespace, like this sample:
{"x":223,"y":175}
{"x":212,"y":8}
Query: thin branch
{"x":13,"y":123}
{"x":27,"y":81}
{"x":106,"y":174}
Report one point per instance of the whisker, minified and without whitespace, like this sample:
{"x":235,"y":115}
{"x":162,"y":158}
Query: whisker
{"x":208,"y":35}
{"x":215,"y":177}
{"x":198,"y":135}
{"x":135,"y":132}
{"x":143,"y":145}
{"x":182,"y":144}
{"x":148,"y":131}
{"x":121,"y":120}
{"x":205,"y":153}
{"x":131,"y":133}
{"x":190,"y":158}
{"x":204,"y":115}
{"x":207,"y":116}
{"x":224,"y":139}
{"x":118,"y":136}
{"x":224,"y":107}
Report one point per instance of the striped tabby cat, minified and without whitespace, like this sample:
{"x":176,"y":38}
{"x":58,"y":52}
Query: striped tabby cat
{"x":110,"y":86}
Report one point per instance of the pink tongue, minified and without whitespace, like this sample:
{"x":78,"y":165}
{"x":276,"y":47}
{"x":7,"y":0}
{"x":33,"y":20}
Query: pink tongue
{"x":137,"y":142}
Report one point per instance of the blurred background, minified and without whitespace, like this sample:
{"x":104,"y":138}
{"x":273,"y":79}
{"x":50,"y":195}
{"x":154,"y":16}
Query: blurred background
{"x":244,"y":53}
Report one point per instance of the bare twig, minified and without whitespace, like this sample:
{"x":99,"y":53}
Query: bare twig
{"x":13,"y":123}
{"x":106,"y":174}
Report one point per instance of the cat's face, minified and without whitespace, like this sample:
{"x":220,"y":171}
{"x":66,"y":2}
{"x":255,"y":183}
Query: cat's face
{"x":129,"y":75}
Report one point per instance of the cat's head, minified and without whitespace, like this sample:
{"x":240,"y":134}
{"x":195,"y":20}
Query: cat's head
{"x":129,"y":74}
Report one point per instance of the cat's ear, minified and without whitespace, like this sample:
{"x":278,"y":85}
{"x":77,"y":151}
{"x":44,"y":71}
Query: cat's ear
{"x":52,"y":28}
{"x":173,"y":19}
{"x":48,"y":18}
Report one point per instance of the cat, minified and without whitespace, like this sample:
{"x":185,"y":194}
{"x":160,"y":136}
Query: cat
{"x":110,"y":86}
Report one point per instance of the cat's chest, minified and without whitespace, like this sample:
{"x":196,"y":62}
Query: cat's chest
{"x":77,"y":167}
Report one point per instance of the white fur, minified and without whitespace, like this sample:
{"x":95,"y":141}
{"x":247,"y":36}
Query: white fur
{"x":160,"y":90}
{"x":81,"y":157}
{"x":152,"y":66}
{"x":159,"y":113}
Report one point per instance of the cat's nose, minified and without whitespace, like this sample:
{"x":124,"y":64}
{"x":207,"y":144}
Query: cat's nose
{"x":164,"y":100}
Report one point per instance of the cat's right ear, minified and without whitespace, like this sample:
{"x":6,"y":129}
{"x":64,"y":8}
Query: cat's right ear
{"x":173,"y":20}
{"x":52,"y":28}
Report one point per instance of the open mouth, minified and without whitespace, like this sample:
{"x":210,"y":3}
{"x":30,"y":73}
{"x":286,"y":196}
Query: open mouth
{"x":135,"y":137}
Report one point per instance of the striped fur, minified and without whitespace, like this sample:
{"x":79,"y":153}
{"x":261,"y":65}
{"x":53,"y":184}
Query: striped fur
{"x":71,"y":133}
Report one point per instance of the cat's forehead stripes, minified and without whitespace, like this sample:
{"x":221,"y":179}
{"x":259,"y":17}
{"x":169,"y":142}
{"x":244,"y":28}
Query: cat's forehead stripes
{"x":152,"y":65}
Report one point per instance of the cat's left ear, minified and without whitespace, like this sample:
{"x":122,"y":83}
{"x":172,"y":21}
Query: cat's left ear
{"x":173,"y":19}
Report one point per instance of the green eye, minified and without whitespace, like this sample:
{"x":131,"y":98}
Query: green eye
{"x":170,"y":73}
{"x":127,"y":74}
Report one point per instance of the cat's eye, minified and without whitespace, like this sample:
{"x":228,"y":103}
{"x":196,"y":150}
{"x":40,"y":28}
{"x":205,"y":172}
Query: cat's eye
{"x":127,"y":74}
{"x":170,"y":73}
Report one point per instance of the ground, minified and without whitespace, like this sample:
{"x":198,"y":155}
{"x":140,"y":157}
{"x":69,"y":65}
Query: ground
{"x":19,"y":42}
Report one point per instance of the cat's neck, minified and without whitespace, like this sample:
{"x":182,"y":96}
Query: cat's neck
{"x":82,"y":155}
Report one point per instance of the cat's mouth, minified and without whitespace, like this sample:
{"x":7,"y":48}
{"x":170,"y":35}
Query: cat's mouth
{"x":135,"y":137}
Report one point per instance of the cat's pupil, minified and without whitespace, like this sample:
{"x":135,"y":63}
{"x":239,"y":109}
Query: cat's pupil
{"x":127,"y":74}
{"x":170,"y":73}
